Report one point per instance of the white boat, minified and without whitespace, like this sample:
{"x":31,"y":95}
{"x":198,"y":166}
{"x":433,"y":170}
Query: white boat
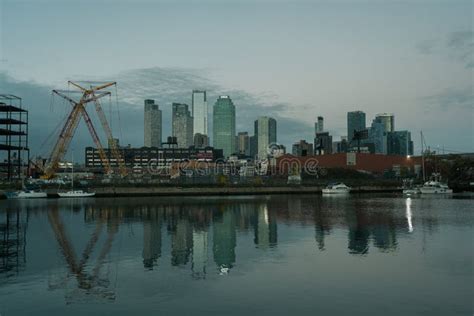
{"x":27,"y":194}
{"x":75,"y":194}
{"x":409,"y":188}
{"x":411,"y":191}
{"x":435,"y":187}
{"x":336,"y":188}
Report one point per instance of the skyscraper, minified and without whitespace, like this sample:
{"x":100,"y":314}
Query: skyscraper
{"x":266,"y":132}
{"x":388,"y":121}
{"x":182,"y":125}
{"x":378,"y":136}
{"x":224,"y":125}
{"x":355,"y":122}
{"x":243,"y":143}
{"x":199,"y":112}
{"x":399,"y":143}
{"x":323,"y":143}
{"x":152,"y":124}
{"x":319,"y":125}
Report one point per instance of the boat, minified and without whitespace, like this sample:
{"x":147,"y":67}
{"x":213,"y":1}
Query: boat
{"x":411,"y":191}
{"x":409,"y":188}
{"x":336,"y":188}
{"x":74,"y":193}
{"x":26,"y":194}
{"x":435,"y":186}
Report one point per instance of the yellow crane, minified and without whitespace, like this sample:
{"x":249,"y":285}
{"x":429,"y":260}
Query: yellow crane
{"x":92,"y":94}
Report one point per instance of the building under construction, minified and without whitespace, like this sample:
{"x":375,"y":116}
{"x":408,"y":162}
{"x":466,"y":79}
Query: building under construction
{"x":14,"y":151}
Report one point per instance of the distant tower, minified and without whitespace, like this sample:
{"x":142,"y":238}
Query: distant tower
{"x":182,"y":125}
{"x":224,"y":125}
{"x":152,"y":124}
{"x":266,"y":132}
{"x":319,"y":126}
{"x":388,"y":121}
{"x":199,"y":112}
{"x":243,"y":143}
{"x":355,"y":122}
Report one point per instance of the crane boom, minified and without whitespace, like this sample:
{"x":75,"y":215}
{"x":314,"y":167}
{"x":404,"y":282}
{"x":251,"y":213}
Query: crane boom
{"x":110,"y":138}
{"x":72,"y":121}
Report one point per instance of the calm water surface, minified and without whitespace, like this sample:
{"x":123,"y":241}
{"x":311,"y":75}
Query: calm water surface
{"x":273,"y":255}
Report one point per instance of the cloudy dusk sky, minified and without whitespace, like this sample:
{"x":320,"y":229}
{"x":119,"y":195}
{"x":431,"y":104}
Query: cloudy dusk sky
{"x":293,"y":60}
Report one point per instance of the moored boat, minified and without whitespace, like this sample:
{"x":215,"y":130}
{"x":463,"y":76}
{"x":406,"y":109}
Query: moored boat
{"x":75,"y":194}
{"x":26,"y":194}
{"x":336,"y":188}
{"x":409,"y":188}
{"x":435,"y":186}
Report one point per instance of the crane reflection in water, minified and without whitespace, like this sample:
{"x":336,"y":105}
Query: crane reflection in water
{"x":201,"y":236}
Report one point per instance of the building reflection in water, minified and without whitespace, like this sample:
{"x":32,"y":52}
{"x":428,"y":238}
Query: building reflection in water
{"x":199,"y":263}
{"x":181,"y":241}
{"x":193,"y":226}
{"x":359,"y":232}
{"x":224,"y":240}
{"x":265,"y":228}
{"x":151,"y":237}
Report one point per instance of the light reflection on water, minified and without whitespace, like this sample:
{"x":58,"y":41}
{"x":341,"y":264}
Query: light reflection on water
{"x":148,"y":254}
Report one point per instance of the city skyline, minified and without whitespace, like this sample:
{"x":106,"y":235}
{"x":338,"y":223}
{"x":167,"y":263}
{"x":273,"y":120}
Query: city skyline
{"x":372,"y":68}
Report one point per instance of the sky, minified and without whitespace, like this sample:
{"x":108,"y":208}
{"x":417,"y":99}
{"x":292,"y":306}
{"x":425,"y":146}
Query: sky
{"x":293,"y":60}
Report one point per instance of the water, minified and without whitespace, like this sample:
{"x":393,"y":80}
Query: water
{"x":273,"y":255}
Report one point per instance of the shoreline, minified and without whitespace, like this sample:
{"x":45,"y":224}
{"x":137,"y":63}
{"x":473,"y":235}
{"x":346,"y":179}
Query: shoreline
{"x":217,"y":191}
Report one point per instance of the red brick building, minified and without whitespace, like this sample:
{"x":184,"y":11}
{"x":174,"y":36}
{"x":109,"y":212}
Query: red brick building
{"x":373,"y":163}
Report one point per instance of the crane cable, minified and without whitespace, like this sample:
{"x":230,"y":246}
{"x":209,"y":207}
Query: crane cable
{"x":118,"y":112}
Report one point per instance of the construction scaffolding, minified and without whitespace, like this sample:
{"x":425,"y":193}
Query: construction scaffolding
{"x":14,"y":151}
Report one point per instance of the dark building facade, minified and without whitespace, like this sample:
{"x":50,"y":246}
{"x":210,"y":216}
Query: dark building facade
{"x":399,"y":143}
{"x":323,"y":143}
{"x":145,"y":155}
{"x":302,"y":149}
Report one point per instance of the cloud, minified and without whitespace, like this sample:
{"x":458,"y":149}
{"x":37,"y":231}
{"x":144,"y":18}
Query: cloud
{"x":457,"y":46}
{"x":462,"y":47}
{"x":452,"y":99}
{"x":165,"y":85}
{"x":426,"y":47}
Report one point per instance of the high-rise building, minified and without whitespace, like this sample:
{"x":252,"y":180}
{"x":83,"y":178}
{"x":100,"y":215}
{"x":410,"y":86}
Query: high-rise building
{"x":266,"y":132}
{"x":388,"y":121}
{"x":201,"y":140}
{"x":152,"y":124}
{"x":399,"y":143}
{"x":319,"y":125}
{"x":224,"y":125}
{"x":302,"y":149}
{"x":243,"y":143}
{"x":199,"y":112}
{"x":323,"y":143}
{"x":378,"y":137}
{"x":355,"y":123}
{"x":182,"y":125}
{"x":253,"y":146}
{"x":340,"y":146}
